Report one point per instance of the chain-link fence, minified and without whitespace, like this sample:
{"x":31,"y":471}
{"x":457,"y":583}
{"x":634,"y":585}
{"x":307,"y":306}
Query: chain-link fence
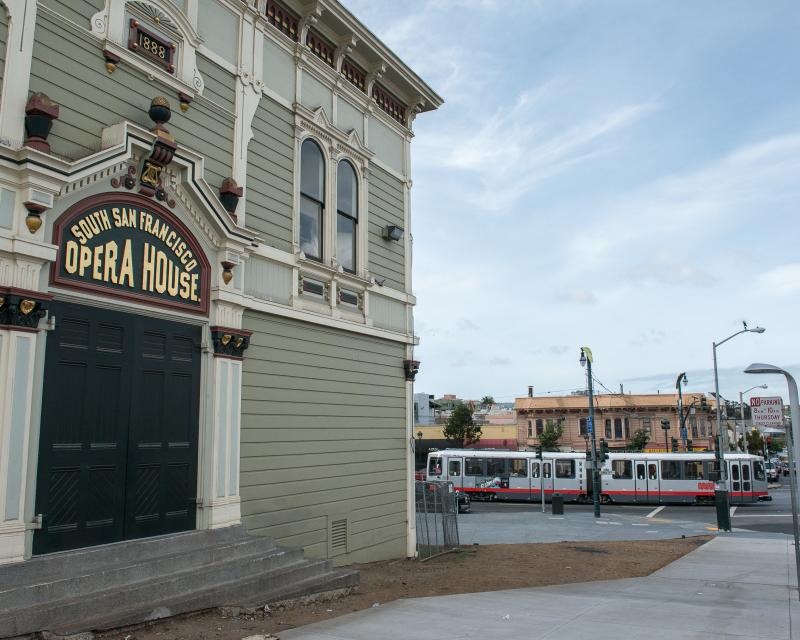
{"x":437,"y":518}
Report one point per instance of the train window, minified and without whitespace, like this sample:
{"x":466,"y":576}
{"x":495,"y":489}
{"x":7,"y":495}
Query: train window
{"x":640,"y":472}
{"x":565,"y":468}
{"x":693,"y":470}
{"x":519,"y":468}
{"x":546,"y":470}
{"x":670,"y":470}
{"x":758,"y":470}
{"x":435,"y":467}
{"x":473,"y":467}
{"x":623,"y":469}
{"x":745,"y":472}
{"x":735,"y":471}
{"x":652,"y":471}
{"x":608,"y":428}
{"x":534,"y":469}
{"x":496,"y":467}
{"x":454,"y":468}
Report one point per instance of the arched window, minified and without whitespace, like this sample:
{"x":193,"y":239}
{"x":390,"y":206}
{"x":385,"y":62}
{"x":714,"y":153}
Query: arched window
{"x":346,"y":215}
{"x":312,"y":199}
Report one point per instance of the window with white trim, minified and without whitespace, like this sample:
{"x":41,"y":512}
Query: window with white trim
{"x":346,"y":215}
{"x":312,"y":199}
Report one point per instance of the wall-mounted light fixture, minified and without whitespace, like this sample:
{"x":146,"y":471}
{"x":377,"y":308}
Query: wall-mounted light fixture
{"x":393,"y":232}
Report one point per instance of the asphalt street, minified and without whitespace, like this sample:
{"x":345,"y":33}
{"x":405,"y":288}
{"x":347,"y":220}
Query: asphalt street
{"x":769,"y":517}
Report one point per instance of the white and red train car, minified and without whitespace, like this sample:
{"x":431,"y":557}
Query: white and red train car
{"x":651,"y":478}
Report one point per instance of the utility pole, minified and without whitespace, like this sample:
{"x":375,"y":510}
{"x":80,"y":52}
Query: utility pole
{"x":586,"y":360}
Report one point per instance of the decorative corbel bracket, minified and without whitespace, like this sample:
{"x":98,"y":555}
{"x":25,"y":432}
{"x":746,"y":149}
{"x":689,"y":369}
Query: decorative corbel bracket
{"x":22,"y":309}
{"x":411,"y":368}
{"x":230,"y":343}
{"x":163,"y":151}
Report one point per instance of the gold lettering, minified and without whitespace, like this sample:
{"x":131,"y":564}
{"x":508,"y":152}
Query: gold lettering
{"x":163,"y":233}
{"x":180,"y":248}
{"x":126,"y":268}
{"x":162,"y":265}
{"x":110,"y":265}
{"x":174,"y":276}
{"x":97,"y":262}
{"x":195,"y":297}
{"x":156,"y":224}
{"x":76,"y":231}
{"x":71,"y":256}
{"x":85,"y":260}
{"x":86,"y":228}
{"x":171,"y":239}
{"x":148,"y":267}
{"x":104,"y":219}
{"x":185,"y":291}
{"x":115,"y":215}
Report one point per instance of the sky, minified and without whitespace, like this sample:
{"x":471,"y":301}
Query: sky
{"x":618,"y":174}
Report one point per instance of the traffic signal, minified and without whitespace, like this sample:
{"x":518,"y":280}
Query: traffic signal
{"x":588,"y":455}
{"x":665,"y":424}
{"x":674,"y":445}
{"x":688,"y":445}
{"x":603,"y":450}
{"x":703,"y":403}
{"x":539,"y":450}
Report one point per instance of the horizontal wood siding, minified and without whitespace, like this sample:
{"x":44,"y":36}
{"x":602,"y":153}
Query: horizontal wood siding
{"x":71,"y":70}
{"x":386,"y":257}
{"x":270,"y":166}
{"x":323,"y":438}
{"x":78,"y":11}
{"x":220,"y":85}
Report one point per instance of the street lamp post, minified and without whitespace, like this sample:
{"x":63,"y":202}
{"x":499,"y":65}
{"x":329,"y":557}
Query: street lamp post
{"x":741,"y":413}
{"x":682,"y":420}
{"x":721,"y":495}
{"x":793,"y":449}
{"x":586,"y":360}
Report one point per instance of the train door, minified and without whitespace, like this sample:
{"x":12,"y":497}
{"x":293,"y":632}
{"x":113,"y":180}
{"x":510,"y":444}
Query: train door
{"x":653,"y":482}
{"x":747,"y":484}
{"x":547,"y":478}
{"x":455,"y":472}
{"x":640,"y":474}
{"x":735,"y":474}
{"x":519,"y":482}
{"x":536,"y":480}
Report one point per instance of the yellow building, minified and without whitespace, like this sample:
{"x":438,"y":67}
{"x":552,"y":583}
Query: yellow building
{"x":616,"y":418}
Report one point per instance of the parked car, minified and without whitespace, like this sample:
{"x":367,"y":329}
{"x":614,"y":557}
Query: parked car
{"x":772,"y":472}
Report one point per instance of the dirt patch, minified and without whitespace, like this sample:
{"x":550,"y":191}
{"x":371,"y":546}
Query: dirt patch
{"x":478,"y":568}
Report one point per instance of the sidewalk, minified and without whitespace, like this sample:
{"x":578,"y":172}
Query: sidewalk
{"x":732,"y":587}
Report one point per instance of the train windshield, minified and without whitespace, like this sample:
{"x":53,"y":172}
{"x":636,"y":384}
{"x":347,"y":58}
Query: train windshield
{"x":435,"y":466}
{"x":758,"y":470}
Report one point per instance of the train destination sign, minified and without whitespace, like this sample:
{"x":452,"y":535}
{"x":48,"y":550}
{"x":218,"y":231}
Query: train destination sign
{"x":129,"y":246}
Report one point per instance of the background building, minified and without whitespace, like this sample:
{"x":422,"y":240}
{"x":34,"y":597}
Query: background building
{"x":616,"y":417}
{"x":205,"y":275}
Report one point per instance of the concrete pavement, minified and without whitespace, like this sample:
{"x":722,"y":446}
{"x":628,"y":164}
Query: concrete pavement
{"x":730,"y":588}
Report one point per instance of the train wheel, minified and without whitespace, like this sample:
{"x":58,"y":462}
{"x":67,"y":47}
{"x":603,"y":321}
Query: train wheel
{"x":605,"y":498}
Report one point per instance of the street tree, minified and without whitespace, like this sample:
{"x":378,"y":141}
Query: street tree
{"x":487,"y":402}
{"x":755,"y":442}
{"x":461,"y":429}
{"x":551,"y":435}
{"x":640,"y":439}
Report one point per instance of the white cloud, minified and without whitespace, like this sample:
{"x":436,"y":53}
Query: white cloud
{"x":783,"y":280}
{"x":578,"y":296}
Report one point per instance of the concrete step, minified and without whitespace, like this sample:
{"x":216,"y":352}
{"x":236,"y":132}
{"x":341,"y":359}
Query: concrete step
{"x":148,"y":594}
{"x":88,"y":581}
{"x":302,"y":579}
{"x":82,"y":561}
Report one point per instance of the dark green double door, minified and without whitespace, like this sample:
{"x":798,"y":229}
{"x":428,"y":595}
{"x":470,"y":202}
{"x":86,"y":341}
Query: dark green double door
{"x":119,"y":427}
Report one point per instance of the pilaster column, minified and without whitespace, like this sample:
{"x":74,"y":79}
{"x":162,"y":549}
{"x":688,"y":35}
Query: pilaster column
{"x":221,"y":502}
{"x":410,"y":369}
{"x":20,"y":312}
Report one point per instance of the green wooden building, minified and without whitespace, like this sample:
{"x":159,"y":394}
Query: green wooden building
{"x":205,"y":275}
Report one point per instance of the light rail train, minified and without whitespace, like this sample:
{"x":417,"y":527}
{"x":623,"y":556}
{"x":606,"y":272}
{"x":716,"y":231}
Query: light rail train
{"x":651,"y":478}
